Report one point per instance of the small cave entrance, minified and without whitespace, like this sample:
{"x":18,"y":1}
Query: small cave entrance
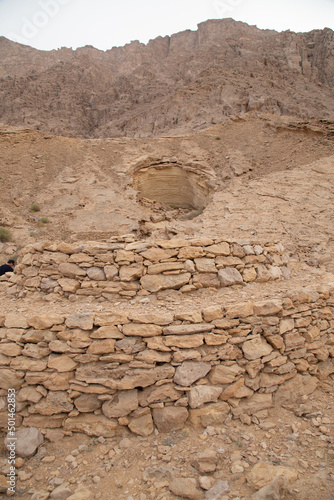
{"x":172,"y":186}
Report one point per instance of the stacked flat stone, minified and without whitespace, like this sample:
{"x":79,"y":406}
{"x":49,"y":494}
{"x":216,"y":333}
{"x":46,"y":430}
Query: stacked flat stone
{"x":145,"y":267}
{"x":98,"y":372}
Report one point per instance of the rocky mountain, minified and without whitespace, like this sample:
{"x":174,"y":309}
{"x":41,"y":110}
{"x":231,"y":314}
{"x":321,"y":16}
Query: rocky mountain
{"x":173,"y":85}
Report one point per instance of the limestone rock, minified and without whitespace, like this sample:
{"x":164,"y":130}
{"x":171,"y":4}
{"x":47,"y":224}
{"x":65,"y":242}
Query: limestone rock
{"x":192,"y":316}
{"x":286,"y":325}
{"x":62,"y":363}
{"x":190,"y":371}
{"x":61,"y":493}
{"x":93,"y":425}
{"x":201,"y":394}
{"x":27,"y":441}
{"x":240,"y":310}
{"x":162,"y":318}
{"x":219,"y":249}
{"x":155,"y":283}
{"x":249,"y":275}
{"x":190,"y":252}
{"x":87,"y":403}
{"x":229,"y":276}
{"x":211,"y":313}
{"x":82,"y":321}
{"x":295,"y":388}
{"x":141,"y":377}
{"x":217,"y":491}
{"x":211,"y":414}
{"x":96,"y":274}
{"x":187,"y":329}
{"x":185,"y":488}
{"x":69,"y":285}
{"x":236,"y":390}
{"x":256,"y":348}
{"x":29,"y":364}
{"x":107,"y":332}
{"x":10,"y":349}
{"x":163,"y":267}
{"x":110,"y":272}
{"x":253,"y":404}
{"x":263,"y":274}
{"x":205,"y":265}
{"x":123,"y":403}
{"x":143,"y":426}
{"x":184,"y":341}
{"x":154,"y":394}
{"x":205,"y":461}
{"x":158,"y":254}
{"x":81,"y":494}
{"x":71,"y":270}
{"x":150,"y":356}
{"x":55,"y":402}
{"x":14,"y":320}
{"x":102,"y":346}
{"x":45,"y":322}
{"x":29,"y":394}
{"x":206,"y":280}
{"x":267,"y":307}
{"x":263,"y":474}
{"x":144,"y":330}
{"x":170,"y":418}
{"x":131,"y":273}
{"x":221,"y":374}
{"x":272,"y":491}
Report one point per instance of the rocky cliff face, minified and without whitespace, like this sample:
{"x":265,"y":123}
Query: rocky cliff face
{"x":172,"y":85}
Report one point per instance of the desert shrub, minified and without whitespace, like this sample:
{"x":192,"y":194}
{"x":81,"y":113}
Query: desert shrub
{"x":5,"y":234}
{"x":35,"y":207}
{"x":45,"y":220}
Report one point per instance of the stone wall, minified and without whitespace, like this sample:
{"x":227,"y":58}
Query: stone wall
{"x":129,"y":268}
{"x":98,"y":372}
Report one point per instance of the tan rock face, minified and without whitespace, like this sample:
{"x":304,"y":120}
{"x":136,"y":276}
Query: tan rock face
{"x":144,"y":330}
{"x":93,"y":425}
{"x":62,"y":363}
{"x":45,"y":322}
{"x":121,"y":405}
{"x":263,"y":474}
{"x":155,"y":283}
{"x":212,"y":414}
{"x":222,"y":374}
{"x":229,"y":276}
{"x":169,"y":418}
{"x":256,"y":348}
{"x":190,"y":371}
{"x":202,"y":394}
{"x":143,"y":426}
{"x":83,"y":321}
{"x":71,"y":270}
{"x":87,"y":403}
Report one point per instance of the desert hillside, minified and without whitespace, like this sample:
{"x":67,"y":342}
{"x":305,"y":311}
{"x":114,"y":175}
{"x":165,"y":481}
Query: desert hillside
{"x":173,"y":85}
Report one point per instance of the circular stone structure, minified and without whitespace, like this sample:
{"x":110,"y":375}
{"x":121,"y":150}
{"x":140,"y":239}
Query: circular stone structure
{"x":173,"y":185}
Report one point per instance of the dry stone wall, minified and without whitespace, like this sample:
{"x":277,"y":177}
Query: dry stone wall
{"x":98,"y":372}
{"x":129,"y":268}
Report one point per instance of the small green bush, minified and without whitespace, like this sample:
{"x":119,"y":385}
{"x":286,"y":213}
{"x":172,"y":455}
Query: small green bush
{"x":218,"y":138}
{"x":45,"y":220}
{"x":35,"y":207}
{"x":5,"y":234}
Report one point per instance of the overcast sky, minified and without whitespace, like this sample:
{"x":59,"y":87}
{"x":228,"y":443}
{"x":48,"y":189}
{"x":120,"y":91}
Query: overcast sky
{"x":50,"y":24}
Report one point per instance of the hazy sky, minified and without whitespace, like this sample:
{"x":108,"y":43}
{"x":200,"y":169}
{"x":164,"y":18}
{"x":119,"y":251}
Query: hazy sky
{"x":49,"y":24}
